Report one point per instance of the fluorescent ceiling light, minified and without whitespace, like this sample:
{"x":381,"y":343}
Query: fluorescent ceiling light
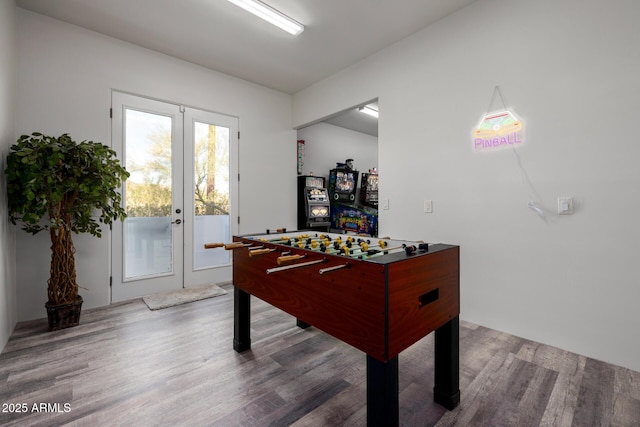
{"x":368,"y":110}
{"x":270,"y":15}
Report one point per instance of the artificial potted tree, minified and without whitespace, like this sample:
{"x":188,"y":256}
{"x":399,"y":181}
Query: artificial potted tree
{"x":63,"y":187}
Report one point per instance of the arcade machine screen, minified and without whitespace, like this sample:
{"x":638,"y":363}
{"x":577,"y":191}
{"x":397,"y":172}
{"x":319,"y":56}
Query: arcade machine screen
{"x":343,"y":185}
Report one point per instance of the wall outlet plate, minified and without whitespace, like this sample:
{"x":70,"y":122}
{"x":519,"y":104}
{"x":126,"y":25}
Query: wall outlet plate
{"x":565,"y":205}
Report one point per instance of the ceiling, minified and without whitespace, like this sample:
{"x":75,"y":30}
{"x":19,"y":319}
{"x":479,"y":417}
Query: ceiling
{"x":220,"y":36}
{"x":356,"y":121}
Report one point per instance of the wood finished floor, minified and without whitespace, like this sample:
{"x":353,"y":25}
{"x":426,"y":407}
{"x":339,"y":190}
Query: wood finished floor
{"x":127,"y":365}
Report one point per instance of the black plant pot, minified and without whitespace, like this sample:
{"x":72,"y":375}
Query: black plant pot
{"x":64,"y":315}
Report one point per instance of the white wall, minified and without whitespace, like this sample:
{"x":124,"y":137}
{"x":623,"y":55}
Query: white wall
{"x":327,"y":144}
{"x":8,"y":315}
{"x":570,"y":69}
{"x":65,"y":79}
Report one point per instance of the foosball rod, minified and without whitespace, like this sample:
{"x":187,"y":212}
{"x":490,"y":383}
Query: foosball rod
{"x":381,"y":244}
{"x":349,"y":251}
{"x":379,"y":252}
{"x":276,"y":240}
{"x":227,"y":246}
{"x":384,"y":251}
{"x":292,"y":266}
{"x":327,"y":249}
{"x":277,"y":230}
{"x":298,"y":240}
{"x":345,"y":249}
{"x":283,"y":239}
{"x":409,"y":250}
{"x":334,"y":268}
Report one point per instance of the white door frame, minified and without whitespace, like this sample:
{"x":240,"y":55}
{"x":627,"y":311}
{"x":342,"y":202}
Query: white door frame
{"x":184,"y":273}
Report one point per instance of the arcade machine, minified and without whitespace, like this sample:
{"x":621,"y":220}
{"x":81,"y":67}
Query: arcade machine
{"x":369,"y":189}
{"x":347,"y":215}
{"x":313,"y":203}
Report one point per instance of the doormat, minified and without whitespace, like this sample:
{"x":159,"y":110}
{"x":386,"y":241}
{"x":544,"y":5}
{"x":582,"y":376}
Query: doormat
{"x":182,"y":296}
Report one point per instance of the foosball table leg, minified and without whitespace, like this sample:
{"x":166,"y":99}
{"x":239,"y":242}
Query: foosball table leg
{"x":302,"y":325}
{"x":241,"y":320}
{"x":383,"y":406}
{"x":446,"y":390}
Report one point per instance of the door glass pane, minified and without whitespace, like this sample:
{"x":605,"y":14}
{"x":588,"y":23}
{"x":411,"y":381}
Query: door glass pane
{"x":147,"y":229}
{"x":211,"y":193}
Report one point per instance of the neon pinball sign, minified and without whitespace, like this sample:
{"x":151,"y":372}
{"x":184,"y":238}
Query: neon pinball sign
{"x":497,"y":130}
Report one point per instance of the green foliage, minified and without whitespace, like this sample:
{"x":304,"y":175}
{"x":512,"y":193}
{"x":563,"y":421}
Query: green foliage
{"x":59,"y":185}
{"x":66,"y":181}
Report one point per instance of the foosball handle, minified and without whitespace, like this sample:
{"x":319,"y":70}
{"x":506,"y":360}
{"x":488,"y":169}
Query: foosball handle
{"x":213,"y":245}
{"x":259,"y":252}
{"x":235,"y":245}
{"x":289,"y":258}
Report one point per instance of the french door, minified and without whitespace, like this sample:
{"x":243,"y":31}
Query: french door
{"x":180,"y":195}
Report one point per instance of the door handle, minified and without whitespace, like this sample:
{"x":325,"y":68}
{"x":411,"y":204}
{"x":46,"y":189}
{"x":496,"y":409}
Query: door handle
{"x":177,"y":221}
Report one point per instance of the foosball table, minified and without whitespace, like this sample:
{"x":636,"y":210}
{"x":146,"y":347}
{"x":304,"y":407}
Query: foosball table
{"x":378,"y":295}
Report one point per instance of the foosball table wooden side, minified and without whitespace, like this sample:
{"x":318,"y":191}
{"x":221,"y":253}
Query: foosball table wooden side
{"x":347,"y":304}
